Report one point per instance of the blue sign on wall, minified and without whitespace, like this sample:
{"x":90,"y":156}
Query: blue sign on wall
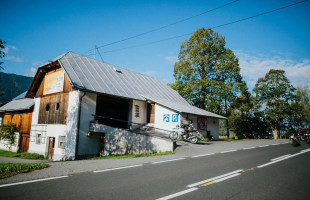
{"x":175,"y":117}
{"x":166,"y":117}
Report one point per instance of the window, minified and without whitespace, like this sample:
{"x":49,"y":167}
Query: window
{"x":137,"y":111}
{"x":61,"y":142}
{"x":57,"y":106}
{"x":38,"y":139}
{"x":47,"y":108}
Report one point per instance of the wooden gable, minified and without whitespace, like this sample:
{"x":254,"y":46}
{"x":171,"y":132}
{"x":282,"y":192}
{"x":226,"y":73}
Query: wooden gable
{"x":52,"y":85}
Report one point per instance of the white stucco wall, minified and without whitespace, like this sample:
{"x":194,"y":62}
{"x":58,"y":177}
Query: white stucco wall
{"x":88,"y":145}
{"x":165,"y":118}
{"x":55,"y":130}
{"x":4,"y":145}
{"x":142,"y":110}
{"x":121,"y":141}
{"x":213,"y":126}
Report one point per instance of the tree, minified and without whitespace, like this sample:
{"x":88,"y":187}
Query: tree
{"x":274,"y":93}
{"x":207,"y":74}
{"x":2,"y":55}
{"x":245,"y":119}
{"x":300,"y":108}
{"x":2,"y":52}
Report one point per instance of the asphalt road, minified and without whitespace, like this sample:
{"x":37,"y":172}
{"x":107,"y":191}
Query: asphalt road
{"x":241,"y":174}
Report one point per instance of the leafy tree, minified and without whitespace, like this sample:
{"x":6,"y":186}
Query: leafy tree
{"x":274,"y":93}
{"x":207,"y":74}
{"x":300,"y":108}
{"x":2,"y":52}
{"x":245,"y":119}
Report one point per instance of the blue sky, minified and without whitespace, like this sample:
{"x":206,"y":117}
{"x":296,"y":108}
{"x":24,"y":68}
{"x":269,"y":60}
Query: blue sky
{"x":38,"y":31}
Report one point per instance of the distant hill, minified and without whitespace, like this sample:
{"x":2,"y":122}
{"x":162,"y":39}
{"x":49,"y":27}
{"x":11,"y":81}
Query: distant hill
{"x":12,"y":85}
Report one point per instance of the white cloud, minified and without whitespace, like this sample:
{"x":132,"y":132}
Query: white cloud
{"x":171,"y":59}
{"x":254,"y":67}
{"x":13,"y":58}
{"x":32,"y":72}
{"x":10,"y":57}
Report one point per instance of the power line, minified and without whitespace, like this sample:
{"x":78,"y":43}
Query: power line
{"x":214,"y":27}
{"x":165,"y":26}
{"x":100,"y":54}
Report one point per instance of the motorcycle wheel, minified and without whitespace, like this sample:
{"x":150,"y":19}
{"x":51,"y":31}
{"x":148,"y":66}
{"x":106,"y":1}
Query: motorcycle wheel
{"x":193,"y":140}
{"x":296,"y":143}
{"x":173,"y":135}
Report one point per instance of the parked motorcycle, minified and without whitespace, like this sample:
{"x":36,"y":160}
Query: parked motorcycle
{"x":186,"y":132}
{"x":307,"y":136}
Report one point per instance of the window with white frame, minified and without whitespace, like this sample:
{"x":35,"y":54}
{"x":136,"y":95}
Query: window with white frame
{"x":38,"y":138}
{"x":61,"y":142}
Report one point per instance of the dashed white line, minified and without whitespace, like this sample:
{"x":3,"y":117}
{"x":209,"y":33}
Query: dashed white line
{"x":33,"y":181}
{"x":225,"y":178}
{"x":209,"y":154}
{"x":168,"y":160}
{"x":105,"y":170}
{"x":284,"y":158}
{"x":249,"y":148}
{"x":280,"y":157}
{"x":178,"y":194}
{"x":264,"y":145}
{"x":214,"y":178}
{"x":276,"y":144}
{"x":229,"y":151}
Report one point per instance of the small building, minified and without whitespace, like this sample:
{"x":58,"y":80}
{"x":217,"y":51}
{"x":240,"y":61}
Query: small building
{"x":84,"y":107}
{"x":17,"y":112}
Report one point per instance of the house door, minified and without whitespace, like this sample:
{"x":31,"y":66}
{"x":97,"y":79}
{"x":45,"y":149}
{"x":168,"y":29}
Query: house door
{"x":51,"y":144}
{"x":24,"y":142}
{"x":150,"y":113}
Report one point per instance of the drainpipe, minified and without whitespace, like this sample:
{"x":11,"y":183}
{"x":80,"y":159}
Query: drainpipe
{"x":78,"y":130}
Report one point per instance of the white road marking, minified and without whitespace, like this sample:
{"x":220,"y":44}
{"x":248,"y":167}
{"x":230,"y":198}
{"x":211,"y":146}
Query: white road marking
{"x":105,"y":170}
{"x":214,"y":178}
{"x":178,"y":194}
{"x":229,"y":151}
{"x":168,"y":160}
{"x":305,"y":150}
{"x":225,"y":178}
{"x":264,"y":145}
{"x":276,"y":144}
{"x":209,"y":154}
{"x":249,"y":148}
{"x":32,"y":181}
{"x":280,"y":157}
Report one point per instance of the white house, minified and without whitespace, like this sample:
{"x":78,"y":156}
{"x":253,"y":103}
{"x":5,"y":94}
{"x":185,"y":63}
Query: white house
{"x":85,"y":107}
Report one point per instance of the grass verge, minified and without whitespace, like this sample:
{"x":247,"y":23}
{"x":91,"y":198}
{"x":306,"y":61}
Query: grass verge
{"x":132,"y":155}
{"x":11,"y":169}
{"x":24,"y":155}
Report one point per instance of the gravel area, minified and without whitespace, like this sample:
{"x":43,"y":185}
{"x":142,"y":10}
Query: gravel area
{"x":184,"y":149}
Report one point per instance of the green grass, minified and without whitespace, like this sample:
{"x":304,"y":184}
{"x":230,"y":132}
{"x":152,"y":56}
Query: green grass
{"x":133,"y":155}
{"x":11,"y":169}
{"x":24,"y":155}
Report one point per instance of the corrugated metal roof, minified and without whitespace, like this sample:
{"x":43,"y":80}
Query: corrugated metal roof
{"x":18,"y":104}
{"x":92,"y":75}
{"x":22,"y":95}
{"x":184,"y":108}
